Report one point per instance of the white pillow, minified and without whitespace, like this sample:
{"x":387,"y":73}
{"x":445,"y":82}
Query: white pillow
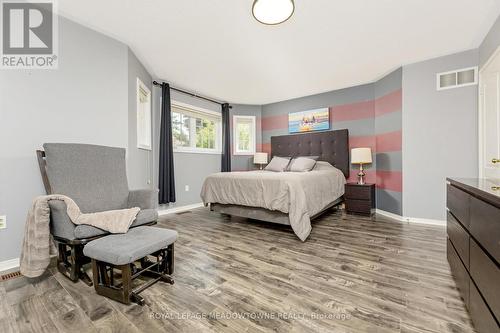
{"x":322,"y":165}
{"x":278,"y":164}
{"x":302,"y":164}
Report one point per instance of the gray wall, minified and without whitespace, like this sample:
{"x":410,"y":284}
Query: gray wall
{"x":440,"y":134}
{"x":139,"y":161}
{"x":85,"y":100}
{"x":490,"y":43}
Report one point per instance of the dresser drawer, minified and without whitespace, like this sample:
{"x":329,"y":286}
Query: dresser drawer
{"x":486,"y":275}
{"x":459,"y":272}
{"x":483,"y":320}
{"x":358,"y":192}
{"x":459,"y":237}
{"x":485,"y":226}
{"x":358,"y":206}
{"x":458,"y":202}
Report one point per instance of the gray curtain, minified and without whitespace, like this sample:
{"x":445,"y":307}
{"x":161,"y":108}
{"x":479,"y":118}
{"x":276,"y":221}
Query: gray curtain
{"x":166,"y":177}
{"x":226,"y":139}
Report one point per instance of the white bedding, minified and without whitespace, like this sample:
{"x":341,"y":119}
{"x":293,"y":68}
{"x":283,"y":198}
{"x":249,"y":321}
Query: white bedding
{"x":299,"y":194}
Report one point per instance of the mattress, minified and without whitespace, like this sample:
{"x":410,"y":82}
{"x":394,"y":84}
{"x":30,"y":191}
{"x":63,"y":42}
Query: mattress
{"x":298,"y":194}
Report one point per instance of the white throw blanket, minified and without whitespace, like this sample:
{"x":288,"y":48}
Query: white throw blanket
{"x":38,"y":245}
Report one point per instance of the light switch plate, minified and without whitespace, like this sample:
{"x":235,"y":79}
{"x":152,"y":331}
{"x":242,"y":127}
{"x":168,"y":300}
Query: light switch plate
{"x":3,"y":221}
{"x":186,"y":188}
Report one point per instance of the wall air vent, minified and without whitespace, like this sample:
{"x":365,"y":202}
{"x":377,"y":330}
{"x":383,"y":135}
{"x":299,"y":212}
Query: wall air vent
{"x":457,"y":78}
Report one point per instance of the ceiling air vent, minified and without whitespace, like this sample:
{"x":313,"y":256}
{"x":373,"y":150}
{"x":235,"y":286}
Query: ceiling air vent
{"x":456,"y":79}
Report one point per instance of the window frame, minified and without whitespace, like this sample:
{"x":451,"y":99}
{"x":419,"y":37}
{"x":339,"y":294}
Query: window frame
{"x":253,"y":139}
{"x":149,"y":144}
{"x":189,"y":108}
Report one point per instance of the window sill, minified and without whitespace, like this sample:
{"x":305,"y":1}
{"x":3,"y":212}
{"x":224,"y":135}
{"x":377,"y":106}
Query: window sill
{"x":244,"y":153}
{"x":194,"y":151}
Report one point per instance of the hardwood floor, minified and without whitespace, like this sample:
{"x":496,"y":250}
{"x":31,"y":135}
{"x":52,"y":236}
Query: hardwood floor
{"x":353,"y":274}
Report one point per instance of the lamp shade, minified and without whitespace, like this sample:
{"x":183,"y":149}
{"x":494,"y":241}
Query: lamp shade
{"x":361,"y":155}
{"x":260,"y":158}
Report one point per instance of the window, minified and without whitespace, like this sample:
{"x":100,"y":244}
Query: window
{"x":195,"y":129}
{"x":143,"y":116}
{"x":244,"y":135}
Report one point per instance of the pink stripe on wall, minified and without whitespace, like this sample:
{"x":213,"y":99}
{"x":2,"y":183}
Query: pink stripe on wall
{"x":266,"y":148}
{"x":274,"y":122}
{"x":354,"y":111}
{"x":392,"y":141}
{"x":384,"y":142}
{"x":390,"y":180}
{"x":391,"y":102}
{"x":363,"y":142}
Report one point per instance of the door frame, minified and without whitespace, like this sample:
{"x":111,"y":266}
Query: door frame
{"x":481,"y":111}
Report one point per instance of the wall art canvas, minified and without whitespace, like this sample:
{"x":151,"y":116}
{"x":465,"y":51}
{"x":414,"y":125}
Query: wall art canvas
{"x":308,"y":121}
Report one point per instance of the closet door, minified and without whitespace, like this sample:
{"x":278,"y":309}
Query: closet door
{"x":490,"y":118}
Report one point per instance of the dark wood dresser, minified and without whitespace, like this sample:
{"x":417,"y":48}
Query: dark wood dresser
{"x":473,"y":248}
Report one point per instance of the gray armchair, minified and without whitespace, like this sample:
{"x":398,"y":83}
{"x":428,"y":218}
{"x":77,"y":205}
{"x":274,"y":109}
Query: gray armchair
{"x":95,"y":178}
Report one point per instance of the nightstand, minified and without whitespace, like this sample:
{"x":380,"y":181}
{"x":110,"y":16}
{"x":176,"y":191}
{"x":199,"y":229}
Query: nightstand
{"x":360,"y":199}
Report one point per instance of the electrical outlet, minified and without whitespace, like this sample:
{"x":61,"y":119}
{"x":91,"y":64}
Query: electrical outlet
{"x":186,"y":188}
{"x":3,"y":221}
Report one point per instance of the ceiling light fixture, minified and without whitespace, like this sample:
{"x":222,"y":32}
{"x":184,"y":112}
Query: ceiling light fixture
{"x":272,"y":12}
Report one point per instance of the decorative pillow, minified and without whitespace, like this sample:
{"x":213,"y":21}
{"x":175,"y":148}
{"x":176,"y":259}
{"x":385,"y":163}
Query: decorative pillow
{"x":322,"y":165}
{"x":278,"y":164}
{"x":302,"y":164}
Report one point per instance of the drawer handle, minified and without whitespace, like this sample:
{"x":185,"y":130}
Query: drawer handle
{"x":495,"y":160}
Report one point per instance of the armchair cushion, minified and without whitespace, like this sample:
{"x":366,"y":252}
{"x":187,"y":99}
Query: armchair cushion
{"x":93,"y":176}
{"x":144,"y":199}
{"x":86,"y":231}
{"x":126,"y":248}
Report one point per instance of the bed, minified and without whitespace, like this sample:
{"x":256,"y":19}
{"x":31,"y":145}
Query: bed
{"x":290,"y":198}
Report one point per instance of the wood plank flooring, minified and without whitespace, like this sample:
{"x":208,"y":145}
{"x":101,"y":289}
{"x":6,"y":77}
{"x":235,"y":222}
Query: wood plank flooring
{"x":353,"y":274}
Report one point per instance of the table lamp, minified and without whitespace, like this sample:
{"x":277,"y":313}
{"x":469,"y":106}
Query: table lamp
{"x":260,"y":158}
{"x":361,"y":156}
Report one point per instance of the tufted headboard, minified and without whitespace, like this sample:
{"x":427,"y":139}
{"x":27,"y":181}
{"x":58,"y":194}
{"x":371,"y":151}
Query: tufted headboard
{"x":330,"y":146}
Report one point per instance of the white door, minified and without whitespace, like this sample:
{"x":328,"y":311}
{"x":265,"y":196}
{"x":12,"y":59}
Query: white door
{"x":489,"y":132}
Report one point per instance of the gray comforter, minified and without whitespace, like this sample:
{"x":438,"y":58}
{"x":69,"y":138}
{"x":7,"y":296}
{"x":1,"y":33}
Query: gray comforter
{"x":299,"y":194}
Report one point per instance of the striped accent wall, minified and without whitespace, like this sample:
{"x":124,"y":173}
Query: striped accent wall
{"x":372,"y":114}
{"x":389,"y":137}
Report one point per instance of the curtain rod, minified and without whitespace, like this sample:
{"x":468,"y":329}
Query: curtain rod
{"x":192,"y":94}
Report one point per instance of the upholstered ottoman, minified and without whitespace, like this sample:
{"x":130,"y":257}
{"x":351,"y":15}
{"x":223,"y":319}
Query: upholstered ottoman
{"x":123,"y":252}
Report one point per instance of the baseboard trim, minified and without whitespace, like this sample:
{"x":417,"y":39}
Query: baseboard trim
{"x":410,"y":219}
{"x":393,"y":216}
{"x":179,"y":209}
{"x":9,"y":264}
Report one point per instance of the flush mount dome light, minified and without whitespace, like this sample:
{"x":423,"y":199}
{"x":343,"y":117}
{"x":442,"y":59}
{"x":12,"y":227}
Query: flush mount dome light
{"x":272,"y":11}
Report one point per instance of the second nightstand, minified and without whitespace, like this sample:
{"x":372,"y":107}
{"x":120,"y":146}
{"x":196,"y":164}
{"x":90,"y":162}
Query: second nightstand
{"x":360,"y":199}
